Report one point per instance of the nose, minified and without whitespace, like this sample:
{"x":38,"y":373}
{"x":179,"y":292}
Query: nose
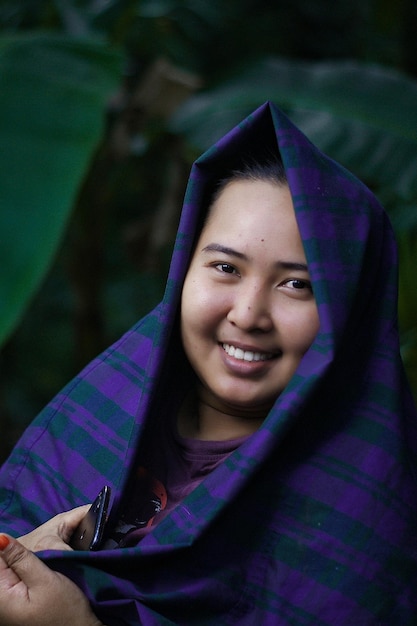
{"x":250,"y":310}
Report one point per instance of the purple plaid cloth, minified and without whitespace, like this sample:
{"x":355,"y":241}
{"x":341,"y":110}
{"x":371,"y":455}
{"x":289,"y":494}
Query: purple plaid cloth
{"x":312,"y":521}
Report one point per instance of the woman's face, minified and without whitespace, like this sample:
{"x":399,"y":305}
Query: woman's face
{"x":248,"y":312}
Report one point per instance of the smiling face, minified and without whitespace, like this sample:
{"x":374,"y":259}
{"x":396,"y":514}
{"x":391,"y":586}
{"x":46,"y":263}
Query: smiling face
{"x":248,"y":313}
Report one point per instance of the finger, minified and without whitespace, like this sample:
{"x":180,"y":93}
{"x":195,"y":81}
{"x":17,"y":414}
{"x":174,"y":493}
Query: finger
{"x":8,"y":578}
{"x":68,"y":521}
{"x":45,"y":542}
{"x":22,"y":563}
{"x":56,"y":533}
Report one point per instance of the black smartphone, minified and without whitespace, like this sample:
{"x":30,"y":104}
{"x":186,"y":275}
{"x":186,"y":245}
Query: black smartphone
{"x":89,"y":532}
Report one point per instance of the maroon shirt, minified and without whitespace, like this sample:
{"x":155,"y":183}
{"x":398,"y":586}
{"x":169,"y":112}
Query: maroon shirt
{"x":168,"y":471}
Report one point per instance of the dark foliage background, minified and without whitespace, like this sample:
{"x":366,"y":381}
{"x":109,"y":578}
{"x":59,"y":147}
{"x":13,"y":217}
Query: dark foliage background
{"x":104,"y":105}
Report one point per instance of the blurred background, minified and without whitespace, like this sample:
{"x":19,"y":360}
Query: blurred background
{"x":104,"y":104}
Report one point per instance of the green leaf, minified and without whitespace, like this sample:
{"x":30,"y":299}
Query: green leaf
{"x":53,"y":94}
{"x":365,"y":116}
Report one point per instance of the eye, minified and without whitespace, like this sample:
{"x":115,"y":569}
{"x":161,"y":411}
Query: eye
{"x":298,"y":284}
{"x":298,"y":287}
{"x":225,"y":268}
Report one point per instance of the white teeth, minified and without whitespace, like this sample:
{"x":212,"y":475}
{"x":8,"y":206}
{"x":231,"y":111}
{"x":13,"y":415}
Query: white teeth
{"x":245,"y":355}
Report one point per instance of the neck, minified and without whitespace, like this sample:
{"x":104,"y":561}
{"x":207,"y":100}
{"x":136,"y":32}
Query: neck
{"x":200,"y":418}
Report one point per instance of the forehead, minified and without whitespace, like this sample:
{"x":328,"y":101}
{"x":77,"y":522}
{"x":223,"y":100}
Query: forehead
{"x":255,"y":191}
{"x":251,"y":212}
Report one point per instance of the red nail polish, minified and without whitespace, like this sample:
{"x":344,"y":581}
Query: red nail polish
{"x":4,"y":542}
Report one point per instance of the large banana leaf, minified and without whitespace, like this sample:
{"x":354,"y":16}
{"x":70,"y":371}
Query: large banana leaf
{"x":365,"y":116}
{"x":53,"y":91}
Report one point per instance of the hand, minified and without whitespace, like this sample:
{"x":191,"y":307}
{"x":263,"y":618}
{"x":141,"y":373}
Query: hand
{"x":32,"y":594}
{"x":55,"y":534}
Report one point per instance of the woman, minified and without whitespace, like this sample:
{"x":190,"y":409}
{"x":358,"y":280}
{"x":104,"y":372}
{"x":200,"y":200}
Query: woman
{"x":305,"y":510}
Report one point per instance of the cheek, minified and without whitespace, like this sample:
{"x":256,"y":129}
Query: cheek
{"x":196,"y":312}
{"x":310,"y":328}
{"x":201,"y":302}
{"x":300,"y":329}
{"x":194,"y":302}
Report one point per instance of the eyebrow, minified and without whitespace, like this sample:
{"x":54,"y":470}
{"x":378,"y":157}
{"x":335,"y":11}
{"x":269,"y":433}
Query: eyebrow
{"x":289,"y":265}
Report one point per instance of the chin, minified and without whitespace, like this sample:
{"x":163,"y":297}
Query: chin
{"x":251,"y":406}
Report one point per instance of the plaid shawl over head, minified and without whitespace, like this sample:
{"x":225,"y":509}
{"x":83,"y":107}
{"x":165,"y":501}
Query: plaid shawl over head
{"x":313,"y":520}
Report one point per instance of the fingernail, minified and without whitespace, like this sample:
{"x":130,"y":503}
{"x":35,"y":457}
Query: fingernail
{"x":4,"y":542}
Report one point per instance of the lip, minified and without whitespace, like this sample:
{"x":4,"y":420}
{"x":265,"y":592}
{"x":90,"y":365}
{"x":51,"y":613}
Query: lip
{"x":247,"y":353}
{"x":257,"y":360}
